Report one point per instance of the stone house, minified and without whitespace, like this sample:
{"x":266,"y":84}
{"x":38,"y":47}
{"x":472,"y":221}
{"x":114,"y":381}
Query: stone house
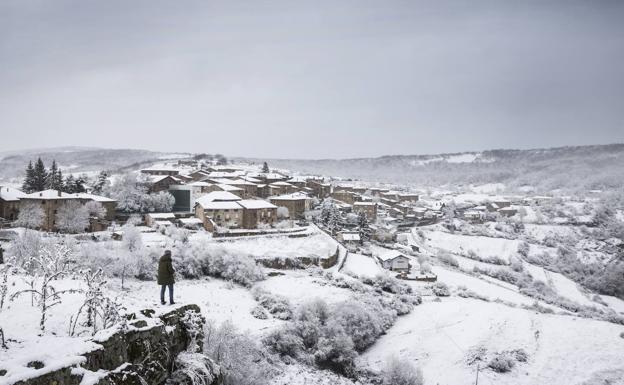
{"x":160,"y":171}
{"x":296,"y":203}
{"x":321,"y":190}
{"x":158,"y":183}
{"x":9,"y":202}
{"x":52,"y":200}
{"x":408,"y":197}
{"x":257,"y":211}
{"x":344,"y":196}
{"x":368,"y":208}
{"x":166,"y":219}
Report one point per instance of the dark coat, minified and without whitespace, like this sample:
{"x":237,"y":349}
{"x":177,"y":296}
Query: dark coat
{"x":165,"y":270}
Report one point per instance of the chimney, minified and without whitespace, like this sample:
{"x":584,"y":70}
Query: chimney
{"x":59,"y":192}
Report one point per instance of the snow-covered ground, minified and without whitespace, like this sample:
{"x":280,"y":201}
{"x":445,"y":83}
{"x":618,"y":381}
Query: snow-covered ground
{"x":440,"y":337}
{"x":481,"y":245}
{"x":361,"y":265}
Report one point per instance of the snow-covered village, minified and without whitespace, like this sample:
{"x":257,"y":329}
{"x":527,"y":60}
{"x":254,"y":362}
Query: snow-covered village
{"x":311,"y":193}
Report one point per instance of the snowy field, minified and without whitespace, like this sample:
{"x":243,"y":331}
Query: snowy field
{"x":440,"y":337}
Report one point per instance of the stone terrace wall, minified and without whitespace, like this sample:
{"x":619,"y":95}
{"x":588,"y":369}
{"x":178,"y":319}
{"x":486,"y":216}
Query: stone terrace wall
{"x":145,"y":353}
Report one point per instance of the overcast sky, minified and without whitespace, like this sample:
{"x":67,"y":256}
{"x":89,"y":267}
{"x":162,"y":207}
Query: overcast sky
{"x":311,"y":79}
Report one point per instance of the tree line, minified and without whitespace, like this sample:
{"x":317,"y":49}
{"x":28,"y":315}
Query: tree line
{"x":39,"y":178}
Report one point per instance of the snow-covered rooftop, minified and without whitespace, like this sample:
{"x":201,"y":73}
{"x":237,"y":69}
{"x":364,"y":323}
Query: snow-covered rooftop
{"x":161,"y":215}
{"x":216,"y":196}
{"x":256,"y":204}
{"x":293,"y":197}
{"x":390,"y":255}
{"x":49,"y":194}
{"x":221,"y":205}
{"x":97,"y":198}
{"x":11,"y":194}
{"x":228,"y":187}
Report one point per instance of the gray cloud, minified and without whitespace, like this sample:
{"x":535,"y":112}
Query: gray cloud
{"x":314,"y":79}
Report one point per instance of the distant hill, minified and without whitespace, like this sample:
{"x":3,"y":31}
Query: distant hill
{"x":78,"y":159}
{"x":571,"y":168}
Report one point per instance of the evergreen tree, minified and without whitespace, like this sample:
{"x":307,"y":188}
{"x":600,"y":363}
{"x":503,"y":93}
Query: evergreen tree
{"x":100,"y":183}
{"x":265,"y":168}
{"x":29,"y":181}
{"x":40,"y":176}
{"x":79,"y":184}
{"x":55,"y":178}
{"x":70,"y":184}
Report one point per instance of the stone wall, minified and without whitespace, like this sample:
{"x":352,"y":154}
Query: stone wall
{"x":144,"y":353}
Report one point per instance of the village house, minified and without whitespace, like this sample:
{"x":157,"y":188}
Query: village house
{"x":368,"y":208}
{"x":231,"y":189}
{"x":52,"y":200}
{"x":110,"y":205}
{"x":298,"y":182}
{"x":507,"y":211}
{"x":257,"y":211}
{"x":296,"y":203}
{"x":160,"y":219}
{"x":186,"y":195}
{"x":282,"y":188}
{"x":344,"y":196}
{"x":497,"y":204}
{"x":9,"y":202}
{"x":250,"y":190}
{"x":160,"y":171}
{"x":408,"y":197}
{"x":474,"y":215}
{"x":349,"y":238}
{"x":219,"y":208}
{"x":158,"y":183}
{"x":320,"y":189}
{"x":394,"y":260}
{"x":199,"y":175}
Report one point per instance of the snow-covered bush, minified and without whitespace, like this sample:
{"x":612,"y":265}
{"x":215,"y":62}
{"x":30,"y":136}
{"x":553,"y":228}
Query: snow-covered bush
{"x":448,"y":259}
{"x":464,"y":292}
{"x":282,"y":212}
{"x":276,"y":304}
{"x":241,"y":359}
{"x":388,"y":283}
{"x":25,"y":249}
{"x":440,"y":289}
{"x":502,"y":362}
{"x":401,"y":372}
{"x":259,"y":312}
{"x":622,"y":335}
{"x":240,"y":269}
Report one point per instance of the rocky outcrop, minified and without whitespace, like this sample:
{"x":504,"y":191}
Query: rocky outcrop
{"x":143,"y":352}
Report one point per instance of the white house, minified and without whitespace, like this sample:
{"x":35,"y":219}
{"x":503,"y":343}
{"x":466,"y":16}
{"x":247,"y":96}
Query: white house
{"x":394,"y":260}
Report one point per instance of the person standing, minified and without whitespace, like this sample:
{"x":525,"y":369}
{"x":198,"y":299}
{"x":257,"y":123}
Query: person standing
{"x":166,"y":276}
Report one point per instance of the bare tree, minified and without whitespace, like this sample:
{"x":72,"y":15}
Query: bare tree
{"x":98,"y":310}
{"x":51,"y":263}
